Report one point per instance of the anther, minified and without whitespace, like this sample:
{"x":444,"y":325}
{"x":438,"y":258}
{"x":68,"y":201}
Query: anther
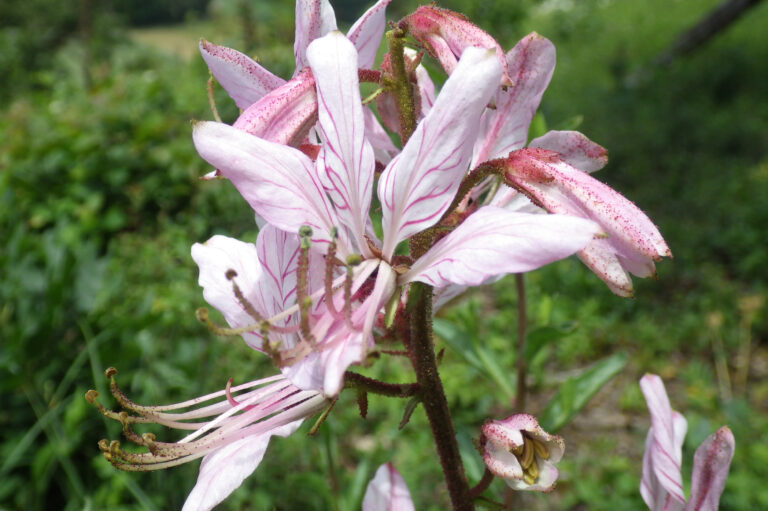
{"x":230,"y":274}
{"x":354,"y":259}
{"x":527,"y":457}
{"x":110,"y":372}
{"x":305,"y":231}
{"x":541,"y":449}
{"x":91,"y":396}
{"x":533,"y":470}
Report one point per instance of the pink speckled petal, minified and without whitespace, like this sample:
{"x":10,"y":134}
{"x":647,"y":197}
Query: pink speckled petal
{"x":710,"y":469}
{"x":531,"y":64}
{"x":446,"y":34}
{"x":285,"y":115}
{"x":419,"y":184}
{"x":244,"y":80}
{"x":367,"y":32}
{"x":574,"y":148}
{"x":633,"y":240}
{"x":314,"y":19}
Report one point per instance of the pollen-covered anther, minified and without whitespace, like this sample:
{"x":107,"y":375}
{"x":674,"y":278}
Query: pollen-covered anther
{"x":527,"y":454}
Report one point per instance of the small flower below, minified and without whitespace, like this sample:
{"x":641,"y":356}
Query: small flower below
{"x":520,"y":452}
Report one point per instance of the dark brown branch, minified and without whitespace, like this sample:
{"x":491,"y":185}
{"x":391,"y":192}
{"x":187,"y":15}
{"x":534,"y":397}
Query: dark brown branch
{"x":717,"y":20}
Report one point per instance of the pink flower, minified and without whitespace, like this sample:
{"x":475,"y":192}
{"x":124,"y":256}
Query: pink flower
{"x":552,"y":172}
{"x":662,"y":484}
{"x":387,"y":491}
{"x":520,"y":452}
{"x":289,"y":190}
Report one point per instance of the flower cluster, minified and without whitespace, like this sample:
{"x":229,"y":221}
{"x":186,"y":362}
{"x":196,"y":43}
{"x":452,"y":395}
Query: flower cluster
{"x":463,"y":202}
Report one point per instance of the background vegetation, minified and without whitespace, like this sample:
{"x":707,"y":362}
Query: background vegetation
{"x":100,"y":202}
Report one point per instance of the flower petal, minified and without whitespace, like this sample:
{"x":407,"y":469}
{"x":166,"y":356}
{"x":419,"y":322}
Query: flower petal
{"x":710,"y":470}
{"x":244,"y":80}
{"x":279,"y":182}
{"x":215,"y":258}
{"x":285,"y":115}
{"x":446,"y":34}
{"x":314,"y":19}
{"x":419,"y":184}
{"x":367,"y":32}
{"x":666,"y":445}
{"x":493,"y":241}
{"x":225,"y":469}
{"x":574,"y":148}
{"x":531,"y":64}
{"x":387,"y":491}
{"x":633,"y":241}
{"x":345,"y":163}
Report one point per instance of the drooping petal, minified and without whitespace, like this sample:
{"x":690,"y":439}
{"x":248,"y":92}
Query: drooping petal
{"x":633,"y":242}
{"x":244,"y":80}
{"x":493,"y":241}
{"x":314,"y":19}
{"x":215,"y":258}
{"x":446,"y":34}
{"x":284,"y":115}
{"x":279,"y":182}
{"x":710,"y":470}
{"x":531,"y":64}
{"x":662,"y":478}
{"x":387,"y":491}
{"x":574,"y":148}
{"x":367,"y":32}
{"x":419,"y":184}
{"x":345,"y":163}
{"x":224,"y":470}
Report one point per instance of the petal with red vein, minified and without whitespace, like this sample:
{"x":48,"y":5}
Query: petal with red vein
{"x":419,"y":184}
{"x":279,"y":182}
{"x":493,"y":241}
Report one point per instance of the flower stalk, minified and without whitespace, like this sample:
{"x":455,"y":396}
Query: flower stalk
{"x":433,"y":397}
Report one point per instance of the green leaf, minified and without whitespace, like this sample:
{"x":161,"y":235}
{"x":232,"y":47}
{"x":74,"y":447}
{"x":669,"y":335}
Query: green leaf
{"x":576,"y":392}
{"x":474,"y":354}
{"x":538,"y":338}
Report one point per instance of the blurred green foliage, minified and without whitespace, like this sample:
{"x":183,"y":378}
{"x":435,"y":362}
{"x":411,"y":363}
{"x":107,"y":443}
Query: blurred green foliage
{"x":100,"y":202}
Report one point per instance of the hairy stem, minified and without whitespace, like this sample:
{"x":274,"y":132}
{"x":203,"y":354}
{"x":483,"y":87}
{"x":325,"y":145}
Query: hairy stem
{"x":401,"y":86}
{"x":433,"y":397}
